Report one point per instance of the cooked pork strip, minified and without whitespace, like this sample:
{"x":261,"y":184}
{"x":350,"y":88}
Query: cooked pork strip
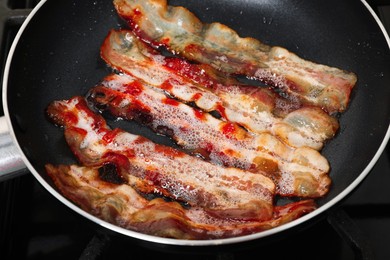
{"x":296,"y":171}
{"x":256,"y":109}
{"x":123,"y":206}
{"x":218,"y":45}
{"x":225,"y":192}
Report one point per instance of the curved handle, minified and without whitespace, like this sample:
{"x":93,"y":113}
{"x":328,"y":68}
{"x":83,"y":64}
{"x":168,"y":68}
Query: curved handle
{"x":11,"y":163}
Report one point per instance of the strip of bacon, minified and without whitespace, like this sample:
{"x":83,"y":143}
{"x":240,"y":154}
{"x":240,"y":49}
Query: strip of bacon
{"x":225,"y":192}
{"x":296,"y":171}
{"x":257,"y":109}
{"x":123,"y":206}
{"x":218,"y":45}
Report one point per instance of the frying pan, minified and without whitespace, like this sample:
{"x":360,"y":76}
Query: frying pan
{"x":55,"y":56}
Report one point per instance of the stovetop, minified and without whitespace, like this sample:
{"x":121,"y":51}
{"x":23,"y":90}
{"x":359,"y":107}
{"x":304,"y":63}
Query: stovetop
{"x":35,"y":225}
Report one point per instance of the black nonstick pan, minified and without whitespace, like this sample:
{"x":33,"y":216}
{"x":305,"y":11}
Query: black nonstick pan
{"x":56,"y":56}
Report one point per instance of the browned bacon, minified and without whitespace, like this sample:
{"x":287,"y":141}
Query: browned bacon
{"x":256,"y":109}
{"x":123,"y":206}
{"x":224,"y":192}
{"x":296,"y":171}
{"x":218,"y":45}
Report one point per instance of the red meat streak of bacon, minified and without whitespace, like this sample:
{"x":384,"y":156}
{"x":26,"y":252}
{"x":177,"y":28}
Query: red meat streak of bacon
{"x":256,"y":200}
{"x":224,"y":142}
{"x":309,"y":126}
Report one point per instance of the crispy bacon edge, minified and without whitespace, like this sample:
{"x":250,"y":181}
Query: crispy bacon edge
{"x":121,"y":205}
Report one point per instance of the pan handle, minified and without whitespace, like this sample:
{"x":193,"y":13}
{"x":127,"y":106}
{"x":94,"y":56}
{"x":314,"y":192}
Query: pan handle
{"x":11,"y":163}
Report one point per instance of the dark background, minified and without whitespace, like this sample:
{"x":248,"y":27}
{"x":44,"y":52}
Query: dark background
{"x":35,"y":225}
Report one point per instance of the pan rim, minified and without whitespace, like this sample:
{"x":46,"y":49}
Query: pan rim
{"x":170,"y":241}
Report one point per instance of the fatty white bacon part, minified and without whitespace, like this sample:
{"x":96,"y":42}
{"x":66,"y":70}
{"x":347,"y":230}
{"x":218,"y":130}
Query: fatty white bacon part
{"x":218,"y":45}
{"x":121,"y":205}
{"x":225,"y":192}
{"x":257,"y":109}
{"x":295,"y":171}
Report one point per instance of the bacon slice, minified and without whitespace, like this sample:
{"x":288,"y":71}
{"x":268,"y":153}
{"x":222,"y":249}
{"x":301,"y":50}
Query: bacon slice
{"x":218,"y":45}
{"x":225,"y":192}
{"x":296,"y":171}
{"x":256,"y":109}
{"x":123,"y":206}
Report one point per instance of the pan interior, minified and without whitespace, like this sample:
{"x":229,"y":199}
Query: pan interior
{"x":57,"y":57}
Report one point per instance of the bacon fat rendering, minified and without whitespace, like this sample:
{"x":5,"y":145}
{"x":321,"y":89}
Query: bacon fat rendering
{"x":296,"y":171}
{"x":257,"y":109}
{"x":223,"y":192}
{"x":218,"y":45}
{"x":121,"y":205}
{"x":247,"y":156}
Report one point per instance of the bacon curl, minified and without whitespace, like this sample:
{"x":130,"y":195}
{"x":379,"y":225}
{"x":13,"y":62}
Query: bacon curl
{"x":218,"y":45}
